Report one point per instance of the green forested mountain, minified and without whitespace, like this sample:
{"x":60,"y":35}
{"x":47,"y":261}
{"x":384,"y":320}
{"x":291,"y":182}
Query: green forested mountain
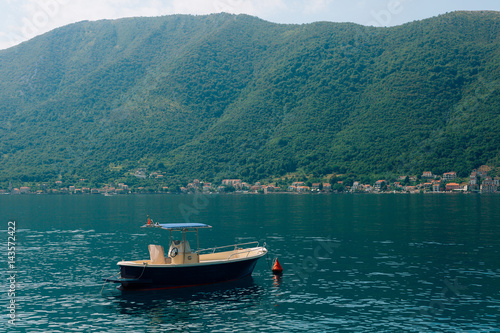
{"x":234,"y":96}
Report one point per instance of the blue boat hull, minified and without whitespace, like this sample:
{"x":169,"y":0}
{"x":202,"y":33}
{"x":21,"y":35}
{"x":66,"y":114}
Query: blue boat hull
{"x":179,"y":276}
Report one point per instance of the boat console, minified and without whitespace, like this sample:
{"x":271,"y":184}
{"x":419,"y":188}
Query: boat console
{"x":180,"y":253}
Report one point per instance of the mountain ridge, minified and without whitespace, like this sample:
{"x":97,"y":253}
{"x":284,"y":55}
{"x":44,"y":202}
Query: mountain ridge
{"x":235,"y":96}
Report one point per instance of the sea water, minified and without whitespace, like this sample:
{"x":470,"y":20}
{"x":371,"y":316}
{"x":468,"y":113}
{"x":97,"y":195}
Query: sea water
{"x":360,"y":263}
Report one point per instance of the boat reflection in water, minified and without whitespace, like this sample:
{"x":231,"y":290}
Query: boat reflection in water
{"x":183,"y":267}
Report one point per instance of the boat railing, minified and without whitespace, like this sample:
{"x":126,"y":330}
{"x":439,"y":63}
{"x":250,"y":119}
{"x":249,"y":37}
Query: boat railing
{"x":241,"y":252}
{"x":234,"y":246}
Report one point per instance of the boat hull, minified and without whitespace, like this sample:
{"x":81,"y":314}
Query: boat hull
{"x":179,"y":276}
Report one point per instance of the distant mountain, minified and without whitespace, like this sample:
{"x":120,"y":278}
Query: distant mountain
{"x":235,"y":96}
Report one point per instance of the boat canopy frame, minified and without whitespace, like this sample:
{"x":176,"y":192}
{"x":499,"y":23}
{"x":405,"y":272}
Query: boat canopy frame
{"x":184,"y":228}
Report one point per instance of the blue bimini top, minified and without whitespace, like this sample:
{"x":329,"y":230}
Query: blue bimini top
{"x":177,"y":226}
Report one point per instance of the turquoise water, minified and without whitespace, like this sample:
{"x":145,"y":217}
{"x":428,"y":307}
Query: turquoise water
{"x":361,"y":263}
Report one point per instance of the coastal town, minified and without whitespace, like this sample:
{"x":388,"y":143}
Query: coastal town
{"x":479,"y":181}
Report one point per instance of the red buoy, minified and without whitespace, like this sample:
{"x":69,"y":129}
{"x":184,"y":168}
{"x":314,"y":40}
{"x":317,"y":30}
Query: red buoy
{"x":277,"y":269}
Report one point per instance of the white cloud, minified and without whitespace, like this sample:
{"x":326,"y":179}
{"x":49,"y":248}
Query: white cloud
{"x":314,"y":6}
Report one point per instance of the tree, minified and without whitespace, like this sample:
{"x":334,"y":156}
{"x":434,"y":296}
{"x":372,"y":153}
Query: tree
{"x":338,"y":188}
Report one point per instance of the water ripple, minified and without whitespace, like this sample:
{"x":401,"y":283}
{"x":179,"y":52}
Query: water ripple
{"x":365,"y":279}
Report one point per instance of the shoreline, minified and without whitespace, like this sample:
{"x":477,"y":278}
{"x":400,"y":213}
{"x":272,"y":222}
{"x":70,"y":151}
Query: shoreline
{"x":244,"y":193}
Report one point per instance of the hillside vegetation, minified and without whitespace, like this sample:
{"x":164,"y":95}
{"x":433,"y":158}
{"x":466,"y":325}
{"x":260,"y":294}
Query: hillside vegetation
{"x":234,"y":96}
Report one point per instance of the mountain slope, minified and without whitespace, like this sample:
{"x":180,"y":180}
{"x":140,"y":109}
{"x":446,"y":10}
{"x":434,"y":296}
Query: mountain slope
{"x":234,"y":96}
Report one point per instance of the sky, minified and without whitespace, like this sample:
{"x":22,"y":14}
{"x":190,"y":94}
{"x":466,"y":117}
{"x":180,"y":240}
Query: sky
{"x":21,"y":20}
